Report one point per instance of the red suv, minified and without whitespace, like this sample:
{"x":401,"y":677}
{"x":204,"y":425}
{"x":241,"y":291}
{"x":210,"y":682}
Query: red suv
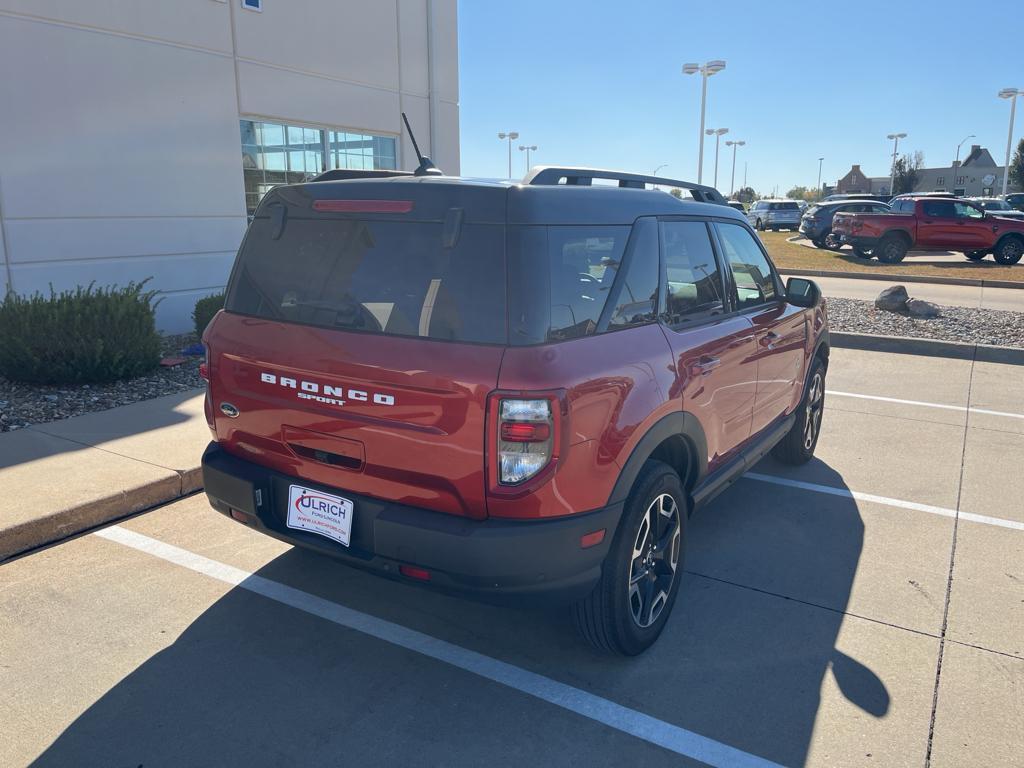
{"x":506,"y":389}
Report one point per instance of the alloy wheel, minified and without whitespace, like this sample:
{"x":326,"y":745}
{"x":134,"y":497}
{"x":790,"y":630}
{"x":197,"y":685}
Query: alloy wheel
{"x":652,"y":568}
{"x":812,"y":419}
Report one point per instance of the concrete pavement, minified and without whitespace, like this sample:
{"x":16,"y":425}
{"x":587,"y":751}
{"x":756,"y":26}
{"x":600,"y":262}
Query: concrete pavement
{"x":74,"y":474}
{"x":817,"y":605}
{"x":974,"y":296}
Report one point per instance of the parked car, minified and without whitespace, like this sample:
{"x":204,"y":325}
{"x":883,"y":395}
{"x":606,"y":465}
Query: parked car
{"x":997,"y":207}
{"x":931,"y":223}
{"x":816,"y":223}
{"x":506,"y":390}
{"x":838,"y":196}
{"x":774,"y":215}
{"x":1016,"y":200}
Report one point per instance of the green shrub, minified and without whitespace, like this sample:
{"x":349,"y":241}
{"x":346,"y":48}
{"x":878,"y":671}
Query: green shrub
{"x":77,"y":337}
{"x":205,"y":309}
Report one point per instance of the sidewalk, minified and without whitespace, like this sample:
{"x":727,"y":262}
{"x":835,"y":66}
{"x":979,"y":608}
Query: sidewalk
{"x":67,"y":476}
{"x":972,"y":296}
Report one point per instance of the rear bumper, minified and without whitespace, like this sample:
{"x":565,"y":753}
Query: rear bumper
{"x":859,"y":242}
{"x":491,"y":559}
{"x":812,"y":231}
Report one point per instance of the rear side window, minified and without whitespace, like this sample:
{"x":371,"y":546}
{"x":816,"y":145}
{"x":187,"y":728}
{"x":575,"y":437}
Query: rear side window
{"x":695,"y":289}
{"x":381,"y":276}
{"x":939,"y":209}
{"x":637,"y":300}
{"x":751,"y":272}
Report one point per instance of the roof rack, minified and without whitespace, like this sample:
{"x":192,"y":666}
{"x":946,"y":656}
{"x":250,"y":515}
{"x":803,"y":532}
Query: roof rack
{"x":344,"y":174}
{"x":552,"y":175}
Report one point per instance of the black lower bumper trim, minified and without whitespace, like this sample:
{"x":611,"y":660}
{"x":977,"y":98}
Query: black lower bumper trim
{"x":492,"y":559}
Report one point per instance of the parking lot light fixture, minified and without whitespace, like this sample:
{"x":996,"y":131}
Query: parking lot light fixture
{"x":717,"y":133}
{"x":1011,"y":94}
{"x":732,"y":182}
{"x":528,"y":150}
{"x":956,"y":162}
{"x":510,"y":136}
{"x":820,"y":161}
{"x":895,"y":146}
{"x":706,"y":70}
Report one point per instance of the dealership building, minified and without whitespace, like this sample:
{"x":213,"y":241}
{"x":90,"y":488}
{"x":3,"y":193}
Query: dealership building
{"x":136,"y":136}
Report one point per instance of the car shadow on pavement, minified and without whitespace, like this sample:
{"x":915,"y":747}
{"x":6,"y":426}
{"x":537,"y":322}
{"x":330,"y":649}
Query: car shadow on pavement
{"x":743,"y":660}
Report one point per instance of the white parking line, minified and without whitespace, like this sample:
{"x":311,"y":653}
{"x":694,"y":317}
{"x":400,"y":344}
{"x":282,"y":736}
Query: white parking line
{"x":961,"y":408}
{"x":629,"y":721}
{"x":848,"y":494}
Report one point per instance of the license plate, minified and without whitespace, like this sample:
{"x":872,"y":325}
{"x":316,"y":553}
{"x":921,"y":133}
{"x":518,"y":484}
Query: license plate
{"x":318,"y":512}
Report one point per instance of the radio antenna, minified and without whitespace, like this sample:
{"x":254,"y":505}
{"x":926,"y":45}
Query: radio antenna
{"x":426,"y":167}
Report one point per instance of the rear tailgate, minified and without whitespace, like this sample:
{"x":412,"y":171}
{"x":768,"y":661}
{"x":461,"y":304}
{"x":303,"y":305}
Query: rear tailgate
{"x":357,"y":347}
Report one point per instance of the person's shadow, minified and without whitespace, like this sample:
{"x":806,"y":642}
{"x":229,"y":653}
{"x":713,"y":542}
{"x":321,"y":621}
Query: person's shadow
{"x":742,"y":660}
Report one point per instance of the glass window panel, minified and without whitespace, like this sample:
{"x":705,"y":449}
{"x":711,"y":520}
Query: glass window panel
{"x":751,"y":272}
{"x":273,"y":160}
{"x":313,"y":162}
{"x":296,"y":161}
{"x":295,"y":135}
{"x":695,"y":291}
{"x":248,"y":129}
{"x":273,"y":135}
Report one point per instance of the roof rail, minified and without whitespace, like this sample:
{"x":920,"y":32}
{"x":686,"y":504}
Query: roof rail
{"x":552,"y":175}
{"x":344,"y":174}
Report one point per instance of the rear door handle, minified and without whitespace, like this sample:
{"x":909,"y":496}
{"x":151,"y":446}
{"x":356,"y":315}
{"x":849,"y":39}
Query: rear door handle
{"x":704,"y":366}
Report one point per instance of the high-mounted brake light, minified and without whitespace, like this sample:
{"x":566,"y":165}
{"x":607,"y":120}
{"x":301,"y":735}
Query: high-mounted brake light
{"x":362,"y":206}
{"x":524,"y":439}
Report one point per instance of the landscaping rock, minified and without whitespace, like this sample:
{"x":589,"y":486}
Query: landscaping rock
{"x":924,"y":310}
{"x":893,"y":299}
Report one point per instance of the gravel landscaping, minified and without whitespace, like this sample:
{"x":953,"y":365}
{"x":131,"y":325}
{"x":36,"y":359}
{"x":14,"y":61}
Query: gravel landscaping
{"x":975,"y":326}
{"x":25,"y":404}
{"x":22,"y":404}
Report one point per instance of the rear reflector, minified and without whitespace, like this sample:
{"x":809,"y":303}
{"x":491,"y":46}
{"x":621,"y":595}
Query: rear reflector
{"x":525,"y":431}
{"x":592,"y":539}
{"x":362,"y":206}
{"x":204,"y":372}
{"x":242,"y":517}
{"x":414,"y":573}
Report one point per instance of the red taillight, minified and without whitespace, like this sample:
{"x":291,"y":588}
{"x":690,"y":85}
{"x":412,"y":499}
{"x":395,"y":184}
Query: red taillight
{"x":592,"y":539}
{"x":414,"y":573}
{"x":204,"y":371}
{"x":362,"y":206}
{"x":524,"y":432}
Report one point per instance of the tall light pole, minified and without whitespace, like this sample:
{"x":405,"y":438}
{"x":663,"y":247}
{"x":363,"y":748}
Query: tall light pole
{"x":1012,"y":94}
{"x":510,"y":136}
{"x":895,"y":144}
{"x":734,"y":145}
{"x":956,"y":162}
{"x":820,"y":160}
{"x":663,"y":165}
{"x":717,"y":133}
{"x":706,"y":70}
{"x":528,"y":150}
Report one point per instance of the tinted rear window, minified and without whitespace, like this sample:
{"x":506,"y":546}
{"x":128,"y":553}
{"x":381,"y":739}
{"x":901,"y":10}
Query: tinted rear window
{"x":380,"y":276}
{"x":785,"y":207}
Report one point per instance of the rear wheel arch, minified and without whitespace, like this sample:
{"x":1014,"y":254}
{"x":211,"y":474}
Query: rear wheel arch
{"x":677,"y":440}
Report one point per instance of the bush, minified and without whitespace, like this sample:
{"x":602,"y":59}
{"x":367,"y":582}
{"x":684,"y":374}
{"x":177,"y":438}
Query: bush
{"x":77,"y":337}
{"x":205,"y":309}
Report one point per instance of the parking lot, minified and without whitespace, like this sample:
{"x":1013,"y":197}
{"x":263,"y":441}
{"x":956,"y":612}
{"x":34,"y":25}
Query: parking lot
{"x":865,"y":609}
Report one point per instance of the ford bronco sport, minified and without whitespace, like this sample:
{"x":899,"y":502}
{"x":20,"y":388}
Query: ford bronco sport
{"x":506,"y":389}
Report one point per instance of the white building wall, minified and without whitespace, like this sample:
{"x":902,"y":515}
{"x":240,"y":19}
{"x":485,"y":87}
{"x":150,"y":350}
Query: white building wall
{"x":120,"y":154}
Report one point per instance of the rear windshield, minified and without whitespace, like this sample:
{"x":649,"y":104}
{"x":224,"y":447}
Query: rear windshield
{"x":390,"y":277}
{"x":784,"y":207}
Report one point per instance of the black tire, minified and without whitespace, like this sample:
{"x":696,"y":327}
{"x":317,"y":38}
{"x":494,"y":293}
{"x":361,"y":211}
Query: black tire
{"x":975,"y":255}
{"x":759,"y":225}
{"x":1009,"y":250}
{"x":609,"y":618}
{"x":775,"y":229}
{"x":797,"y":447}
{"x":861,"y":253}
{"x":891,"y":249}
{"x":832,"y":242}
{"x":819,"y":243}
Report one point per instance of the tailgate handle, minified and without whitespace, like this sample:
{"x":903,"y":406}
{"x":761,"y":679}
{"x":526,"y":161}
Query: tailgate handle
{"x":325,"y":449}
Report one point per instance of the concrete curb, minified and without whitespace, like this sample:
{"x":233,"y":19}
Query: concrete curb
{"x":929,"y":347}
{"x":904,"y":278}
{"x":20,"y":538}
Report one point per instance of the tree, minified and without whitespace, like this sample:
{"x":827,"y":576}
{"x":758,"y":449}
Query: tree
{"x":746,"y":195}
{"x":907,"y":172}
{"x":1017,"y":166}
{"x":803,"y":193}
{"x":676,"y":192}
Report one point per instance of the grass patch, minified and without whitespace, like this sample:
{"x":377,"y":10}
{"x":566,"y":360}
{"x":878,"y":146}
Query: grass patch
{"x":787,"y":255}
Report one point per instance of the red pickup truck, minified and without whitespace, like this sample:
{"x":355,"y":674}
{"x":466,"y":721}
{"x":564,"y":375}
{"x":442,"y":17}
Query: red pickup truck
{"x":931,"y":223}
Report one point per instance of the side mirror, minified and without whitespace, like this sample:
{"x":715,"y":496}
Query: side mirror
{"x":801,"y":292}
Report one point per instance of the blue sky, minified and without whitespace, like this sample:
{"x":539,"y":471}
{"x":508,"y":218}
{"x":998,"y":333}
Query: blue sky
{"x":600,"y":83}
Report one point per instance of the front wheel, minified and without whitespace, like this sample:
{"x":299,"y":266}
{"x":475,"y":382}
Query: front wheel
{"x":797,"y":447}
{"x":861,"y":253}
{"x":1009,"y":251}
{"x":832,"y":242}
{"x":759,"y":226}
{"x":892,"y":249}
{"x":975,"y":255}
{"x":639,"y":581}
